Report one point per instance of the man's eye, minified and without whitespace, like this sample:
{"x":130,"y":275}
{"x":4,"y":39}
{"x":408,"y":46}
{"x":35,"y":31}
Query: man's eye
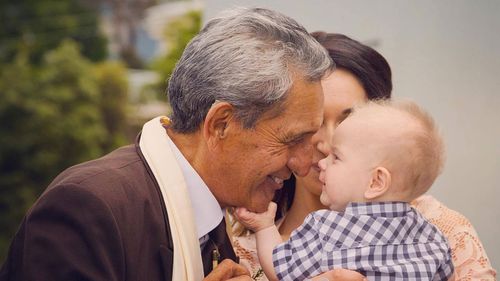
{"x":294,"y":141}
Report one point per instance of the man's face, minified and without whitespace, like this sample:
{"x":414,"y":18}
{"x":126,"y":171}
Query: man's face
{"x":254,"y":162}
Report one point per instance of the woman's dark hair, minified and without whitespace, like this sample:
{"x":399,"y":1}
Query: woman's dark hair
{"x":368,"y":65}
{"x":370,"y":68}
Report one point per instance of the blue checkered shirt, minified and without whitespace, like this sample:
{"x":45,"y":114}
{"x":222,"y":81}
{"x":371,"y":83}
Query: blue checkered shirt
{"x":383,"y":241}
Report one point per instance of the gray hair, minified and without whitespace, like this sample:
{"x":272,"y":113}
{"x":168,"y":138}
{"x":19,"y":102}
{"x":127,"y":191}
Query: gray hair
{"x":248,"y":58}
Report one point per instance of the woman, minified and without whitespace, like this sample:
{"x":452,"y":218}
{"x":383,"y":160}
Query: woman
{"x":362,"y":74}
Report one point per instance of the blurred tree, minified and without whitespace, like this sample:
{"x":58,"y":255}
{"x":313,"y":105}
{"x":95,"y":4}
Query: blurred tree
{"x":53,"y":116}
{"x":36,"y":26}
{"x":113,"y":88}
{"x":16,"y":82}
{"x":178,"y":33}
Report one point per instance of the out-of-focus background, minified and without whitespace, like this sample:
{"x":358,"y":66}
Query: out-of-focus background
{"x":79,"y":77}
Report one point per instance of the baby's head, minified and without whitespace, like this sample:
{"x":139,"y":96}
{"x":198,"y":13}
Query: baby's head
{"x":384,"y":151}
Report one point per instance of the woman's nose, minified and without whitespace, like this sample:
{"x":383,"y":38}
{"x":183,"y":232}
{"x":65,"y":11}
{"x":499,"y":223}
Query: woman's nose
{"x":321,"y":139}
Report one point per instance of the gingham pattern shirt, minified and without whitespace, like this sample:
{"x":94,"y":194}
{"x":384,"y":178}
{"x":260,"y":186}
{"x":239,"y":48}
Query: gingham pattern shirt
{"x":383,"y":241}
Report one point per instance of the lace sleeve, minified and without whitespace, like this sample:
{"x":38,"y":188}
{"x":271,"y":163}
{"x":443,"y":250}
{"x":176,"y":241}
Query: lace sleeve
{"x":468,"y":254}
{"x":245,"y":248}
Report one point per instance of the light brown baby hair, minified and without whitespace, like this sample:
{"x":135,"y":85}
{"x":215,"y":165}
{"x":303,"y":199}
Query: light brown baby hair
{"x":421,"y":153}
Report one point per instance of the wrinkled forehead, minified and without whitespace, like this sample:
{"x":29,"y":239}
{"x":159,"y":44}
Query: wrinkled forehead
{"x":300,"y":114}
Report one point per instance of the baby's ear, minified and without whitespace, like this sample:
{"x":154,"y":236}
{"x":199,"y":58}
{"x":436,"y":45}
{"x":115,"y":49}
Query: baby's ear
{"x":379,"y":183}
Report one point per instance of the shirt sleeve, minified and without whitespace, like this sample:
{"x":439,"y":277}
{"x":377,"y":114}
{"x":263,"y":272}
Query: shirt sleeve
{"x":445,"y":271}
{"x":300,"y":257}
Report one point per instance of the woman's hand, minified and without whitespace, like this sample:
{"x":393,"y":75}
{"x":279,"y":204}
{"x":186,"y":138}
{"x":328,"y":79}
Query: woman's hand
{"x":339,"y":275}
{"x":229,"y":270}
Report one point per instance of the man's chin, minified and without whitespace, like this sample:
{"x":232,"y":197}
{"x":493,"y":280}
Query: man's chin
{"x":259,"y":208}
{"x":259,"y":201}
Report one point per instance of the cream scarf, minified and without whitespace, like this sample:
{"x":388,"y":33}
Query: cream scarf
{"x":156,"y":150}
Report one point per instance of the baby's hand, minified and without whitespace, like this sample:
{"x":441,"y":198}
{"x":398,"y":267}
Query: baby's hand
{"x":256,"y":221}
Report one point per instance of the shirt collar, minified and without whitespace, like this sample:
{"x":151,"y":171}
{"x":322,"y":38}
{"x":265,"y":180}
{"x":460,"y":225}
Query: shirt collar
{"x":207,"y":211}
{"x":378,"y":209}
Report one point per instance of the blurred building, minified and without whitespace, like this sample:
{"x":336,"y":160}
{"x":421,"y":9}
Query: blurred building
{"x":139,"y":28}
{"x":157,"y":17}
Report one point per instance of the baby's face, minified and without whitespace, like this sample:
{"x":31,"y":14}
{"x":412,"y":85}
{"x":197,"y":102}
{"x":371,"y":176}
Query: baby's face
{"x":346,"y":172}
{"x":362,"y":142}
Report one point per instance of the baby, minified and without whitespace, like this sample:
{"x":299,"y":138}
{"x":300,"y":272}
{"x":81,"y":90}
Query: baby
{"x":383,"y":155}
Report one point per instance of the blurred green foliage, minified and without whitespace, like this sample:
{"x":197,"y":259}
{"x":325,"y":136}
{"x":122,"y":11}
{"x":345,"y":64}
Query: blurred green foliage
{"x":36,"y":26}
{"x":61,"y":112}
{"x":59,"y":104}
{"x":113,"y":103}
{"x":177,"y":35}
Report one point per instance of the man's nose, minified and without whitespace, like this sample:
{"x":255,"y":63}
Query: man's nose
{"x":300,"y":160}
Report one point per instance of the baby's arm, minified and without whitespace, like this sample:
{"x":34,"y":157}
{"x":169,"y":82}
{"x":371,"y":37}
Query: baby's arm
{"x":266,"y":234}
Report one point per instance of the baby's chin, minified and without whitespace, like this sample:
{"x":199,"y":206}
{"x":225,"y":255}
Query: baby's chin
{"x":330,"y":204}
{"x":324,"y":199}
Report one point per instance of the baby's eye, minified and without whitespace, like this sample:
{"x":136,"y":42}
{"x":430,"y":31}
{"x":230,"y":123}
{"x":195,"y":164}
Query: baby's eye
{"x":334,"y":157}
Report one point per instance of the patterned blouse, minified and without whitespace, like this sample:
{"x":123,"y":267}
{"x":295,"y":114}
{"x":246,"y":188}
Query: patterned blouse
{"x":468,"y":255}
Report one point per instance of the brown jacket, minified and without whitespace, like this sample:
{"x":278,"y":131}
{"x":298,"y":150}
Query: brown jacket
{"x":100,"y":220}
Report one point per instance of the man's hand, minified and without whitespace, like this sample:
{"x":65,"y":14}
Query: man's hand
{"x":339,"y":275}
{"x":229,"y":270}
{"x":256,"y":221}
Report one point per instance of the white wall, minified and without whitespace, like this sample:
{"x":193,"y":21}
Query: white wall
{"x":446,"y":56}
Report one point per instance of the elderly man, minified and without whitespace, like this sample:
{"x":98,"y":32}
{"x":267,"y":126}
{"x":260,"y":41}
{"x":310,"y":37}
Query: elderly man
{"x":246,"y":99}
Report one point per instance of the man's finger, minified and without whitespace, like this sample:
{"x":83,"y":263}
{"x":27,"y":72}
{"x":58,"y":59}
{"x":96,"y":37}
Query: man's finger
{"x":241,"y":278}
{"x":226,"y":270}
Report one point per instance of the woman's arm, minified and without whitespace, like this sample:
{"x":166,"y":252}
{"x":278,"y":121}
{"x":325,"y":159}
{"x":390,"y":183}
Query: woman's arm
{"x":468,"y":254}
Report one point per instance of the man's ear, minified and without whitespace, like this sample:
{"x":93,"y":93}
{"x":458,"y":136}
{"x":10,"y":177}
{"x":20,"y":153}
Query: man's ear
{"x":217,"y":121}
{"x":379,"y":183}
